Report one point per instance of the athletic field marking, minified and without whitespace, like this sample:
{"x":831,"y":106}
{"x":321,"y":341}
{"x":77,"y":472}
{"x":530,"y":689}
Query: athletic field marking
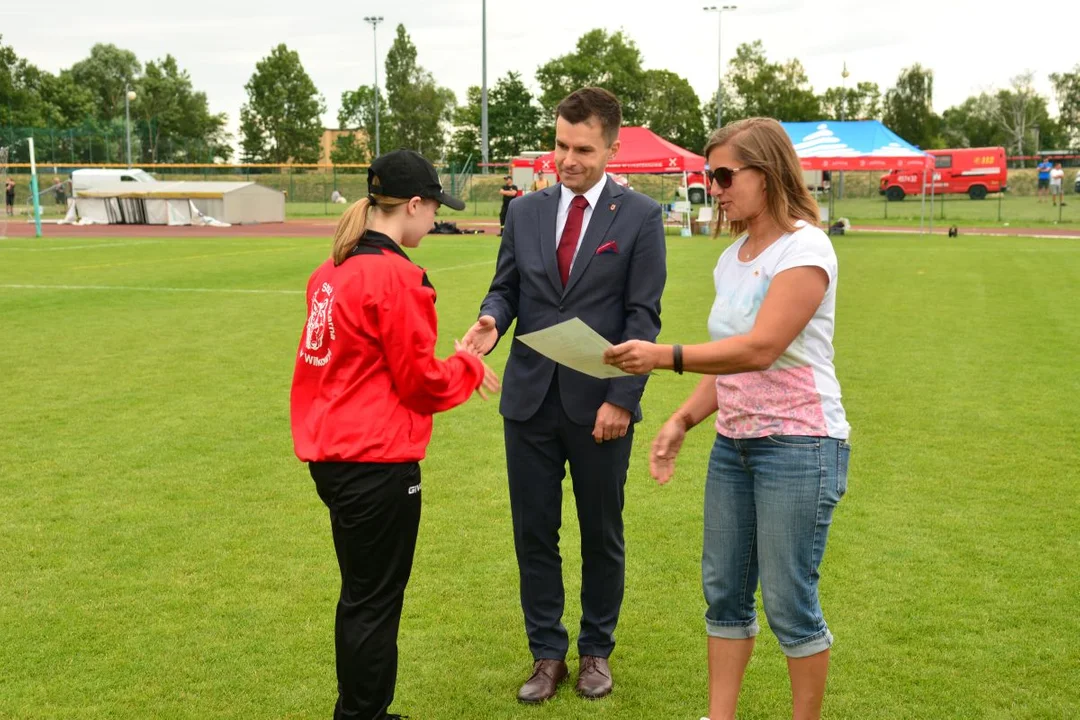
{"x":83,"y":247}
{"x":167,"y":260}
{"x":243,"y":291}
{"x":459,"y":267}
{"x":133,"y":288}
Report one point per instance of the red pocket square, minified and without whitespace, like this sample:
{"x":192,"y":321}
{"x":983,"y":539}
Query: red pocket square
{"x":608,"y":247}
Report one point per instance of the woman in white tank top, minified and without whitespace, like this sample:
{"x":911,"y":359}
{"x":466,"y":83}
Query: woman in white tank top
{"x":779,"y":464}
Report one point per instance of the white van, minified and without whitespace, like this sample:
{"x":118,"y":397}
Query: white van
{"x":90,"y":178}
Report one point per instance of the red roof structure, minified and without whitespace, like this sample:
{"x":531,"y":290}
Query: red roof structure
{"x":641,"y":152}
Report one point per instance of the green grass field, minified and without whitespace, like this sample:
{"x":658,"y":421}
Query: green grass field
{"x":163,"y":554}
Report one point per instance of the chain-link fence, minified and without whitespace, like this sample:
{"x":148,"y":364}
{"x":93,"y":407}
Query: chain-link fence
{"x":309,"y":191}
{"x":105,"y":143}
{"x":860,"y":201}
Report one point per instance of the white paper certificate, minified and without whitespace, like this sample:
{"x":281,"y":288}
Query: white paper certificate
{"x":576,"y":345}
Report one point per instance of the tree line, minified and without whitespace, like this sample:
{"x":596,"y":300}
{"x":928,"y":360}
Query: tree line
{"x":173,"y":119}
{"x":281,"y":120}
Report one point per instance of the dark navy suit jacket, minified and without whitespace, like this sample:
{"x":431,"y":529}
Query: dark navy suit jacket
{"x":616,"y":292}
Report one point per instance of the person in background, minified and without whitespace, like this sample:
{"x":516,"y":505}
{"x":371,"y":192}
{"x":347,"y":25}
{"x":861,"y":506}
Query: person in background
{"x":9,"y":196}
{"x":541,"y":182}
{"x":779,"y":460}
{"x":1057,"y":185}
{"x":61,"y":191}
{"x":365,"y":386}
{"x":1044,"y":169}
{"x":508,"y":191}
{"x":337,"y":198}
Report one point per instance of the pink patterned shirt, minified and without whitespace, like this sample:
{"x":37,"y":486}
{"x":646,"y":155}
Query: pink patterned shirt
{"x":799,"y":394}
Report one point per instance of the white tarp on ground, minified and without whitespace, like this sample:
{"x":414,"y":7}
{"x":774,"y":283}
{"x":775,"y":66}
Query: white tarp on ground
{"x":184,"y":212}
{"x":231,"y":202}
{"x":106,"y":211}
{"x":179,"y":212}
{"x":72,"y":217}
{"x":198,"y":218}
{"x":93,"y":209}
{"x":157,"y":212}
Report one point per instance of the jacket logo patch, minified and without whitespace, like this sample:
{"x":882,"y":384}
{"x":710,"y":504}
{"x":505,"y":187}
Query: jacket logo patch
{"x":314,"y":349}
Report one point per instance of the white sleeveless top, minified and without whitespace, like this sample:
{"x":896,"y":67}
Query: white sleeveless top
{"x":799,"y":394}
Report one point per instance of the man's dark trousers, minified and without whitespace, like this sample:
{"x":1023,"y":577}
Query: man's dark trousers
{"x":537,"y":451}
{"x":375,"y":516}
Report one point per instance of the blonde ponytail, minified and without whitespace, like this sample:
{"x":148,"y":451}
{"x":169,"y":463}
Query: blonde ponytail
{"x":353,"y":223}
{"x":350,"y":229}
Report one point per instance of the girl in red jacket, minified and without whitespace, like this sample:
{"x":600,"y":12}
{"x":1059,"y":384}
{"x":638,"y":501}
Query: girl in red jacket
{"x":365,"y":387}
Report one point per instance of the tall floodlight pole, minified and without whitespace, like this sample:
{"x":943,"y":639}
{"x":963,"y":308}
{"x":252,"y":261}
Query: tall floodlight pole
{"x":375,"y":20}
{"x":719,"y":10}
{"x":844,"y":75}
{"x":483,"y":90}
{"x":128,"y":97}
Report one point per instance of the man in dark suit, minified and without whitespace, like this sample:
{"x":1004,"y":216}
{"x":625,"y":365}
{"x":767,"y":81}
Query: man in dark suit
{"x":591,"y":249}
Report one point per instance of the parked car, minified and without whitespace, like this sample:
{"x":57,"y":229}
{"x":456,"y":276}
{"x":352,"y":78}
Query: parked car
{"x":971,"y":171}
{"x":96,"y":177}
{"x":1076,"y":185}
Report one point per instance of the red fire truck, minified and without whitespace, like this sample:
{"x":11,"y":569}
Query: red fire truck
{"x":974,"y":171}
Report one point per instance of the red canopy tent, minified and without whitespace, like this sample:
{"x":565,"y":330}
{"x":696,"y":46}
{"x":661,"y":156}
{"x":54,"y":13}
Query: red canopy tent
{"x":641,"y":152}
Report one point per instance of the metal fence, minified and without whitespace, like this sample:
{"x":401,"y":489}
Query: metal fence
{"x":308,"y":190}
{"x":94,"y":143}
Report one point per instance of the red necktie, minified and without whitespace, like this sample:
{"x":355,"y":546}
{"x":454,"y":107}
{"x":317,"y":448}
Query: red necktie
{"x":570,"y":234}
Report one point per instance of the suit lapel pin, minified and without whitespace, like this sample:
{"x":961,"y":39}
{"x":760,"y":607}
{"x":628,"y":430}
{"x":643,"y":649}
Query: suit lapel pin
{"x":612,"y":208}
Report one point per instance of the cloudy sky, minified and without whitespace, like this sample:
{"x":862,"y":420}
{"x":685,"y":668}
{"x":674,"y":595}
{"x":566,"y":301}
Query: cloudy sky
{"x":971,"y":46}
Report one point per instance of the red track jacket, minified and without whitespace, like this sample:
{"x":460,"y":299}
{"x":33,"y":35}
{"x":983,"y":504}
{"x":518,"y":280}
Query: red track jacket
{"x":367,"y":380}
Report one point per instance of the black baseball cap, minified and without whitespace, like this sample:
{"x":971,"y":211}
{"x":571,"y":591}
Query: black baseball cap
{"x":406,"y":174}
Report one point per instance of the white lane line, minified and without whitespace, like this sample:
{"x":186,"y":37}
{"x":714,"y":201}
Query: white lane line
{"x":82,"y":247}
{"x":169,"y":260}
{"x":132,"y":288}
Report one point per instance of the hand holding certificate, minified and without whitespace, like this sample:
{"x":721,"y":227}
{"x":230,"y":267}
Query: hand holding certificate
{"x":576,"y":345}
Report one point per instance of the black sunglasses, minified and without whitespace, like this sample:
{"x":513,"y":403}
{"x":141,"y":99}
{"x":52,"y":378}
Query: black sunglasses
{"x":724,"y":176}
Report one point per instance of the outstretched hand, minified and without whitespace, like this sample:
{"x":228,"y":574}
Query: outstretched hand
{"x":482,"y":336}
{"x":637,"y":357}
{"x":490,"y":383}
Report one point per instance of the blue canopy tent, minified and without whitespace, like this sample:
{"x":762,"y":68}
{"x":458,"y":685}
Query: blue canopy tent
{"x":865,"y":145}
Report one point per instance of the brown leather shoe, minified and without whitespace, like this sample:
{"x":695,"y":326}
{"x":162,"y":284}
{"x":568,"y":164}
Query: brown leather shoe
{"x":594,"y":677}
{"x":544,"y":681}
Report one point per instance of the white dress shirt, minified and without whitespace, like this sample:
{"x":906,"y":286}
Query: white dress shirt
{"x":565,"y":198}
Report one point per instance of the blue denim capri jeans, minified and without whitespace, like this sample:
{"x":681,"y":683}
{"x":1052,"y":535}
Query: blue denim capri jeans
{"x":768,"y":505}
